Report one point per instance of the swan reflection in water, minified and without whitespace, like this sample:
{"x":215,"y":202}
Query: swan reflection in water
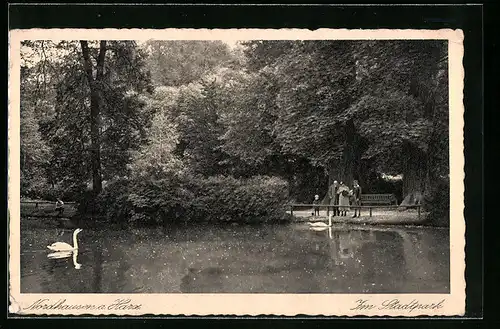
{"x":66,"y":254}
{"x":320,"y":226}
{"x":65,"y":250}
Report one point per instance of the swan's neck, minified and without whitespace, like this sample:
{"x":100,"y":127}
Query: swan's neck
{"x":75,"y":240}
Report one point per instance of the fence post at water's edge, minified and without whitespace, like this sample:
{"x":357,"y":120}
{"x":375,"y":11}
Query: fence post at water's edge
{"x":370,"y":211}
{"x":291,"y":210}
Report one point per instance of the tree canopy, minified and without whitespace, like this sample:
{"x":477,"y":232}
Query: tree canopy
{"x":306,"y":111}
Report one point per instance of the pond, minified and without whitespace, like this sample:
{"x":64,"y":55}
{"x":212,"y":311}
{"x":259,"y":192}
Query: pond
{"x":238,"y":259}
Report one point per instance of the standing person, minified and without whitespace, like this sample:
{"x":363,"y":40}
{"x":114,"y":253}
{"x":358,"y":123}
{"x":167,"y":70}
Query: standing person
{"x":316,"y":203}
{"x":343,"y":192}
{"x":59,"y":206}
{"x":356,"y":193}
{"x":334,"y":197}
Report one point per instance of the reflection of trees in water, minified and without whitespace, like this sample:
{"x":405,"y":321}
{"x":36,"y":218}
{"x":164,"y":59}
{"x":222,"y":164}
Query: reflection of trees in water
{"x":143,"y":262}
{"x":390,"y":260}
{"x":110,"y":264}
{"x":351,"y":260}
{"x":213,"y":279}
{"x":209,"y":280}
{"x":38,"y":273}
{"x":62,"y":277}
{"x":384,"y":261}
{"x":279,"y":263}
{"x":35,"y":273}
{"x":427,"y":259}
{"x":366,"y":260}
{"x":249,"y":259}
{"x":119,"y":283}
{"x":97,"y":267}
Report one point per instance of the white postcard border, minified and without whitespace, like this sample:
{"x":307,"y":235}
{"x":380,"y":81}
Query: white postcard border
{"x":451,"y":304}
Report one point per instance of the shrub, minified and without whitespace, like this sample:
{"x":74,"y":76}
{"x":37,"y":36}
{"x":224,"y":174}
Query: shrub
{"x":113,"y":202}
{"x":129,"y":200}
{"x":190,"y":198}
{"x":225,"y":199}
{"x":160,"y":200}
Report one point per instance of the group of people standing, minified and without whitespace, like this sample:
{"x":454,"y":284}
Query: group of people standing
{"x":341,"y":198}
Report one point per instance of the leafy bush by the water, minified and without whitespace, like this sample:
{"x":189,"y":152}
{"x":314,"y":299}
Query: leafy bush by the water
{"x":189,"y":198}
{"x":223,"y":199}
{"x":113,"y":201}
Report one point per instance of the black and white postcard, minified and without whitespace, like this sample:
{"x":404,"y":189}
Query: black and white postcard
{"x":236,"y":172}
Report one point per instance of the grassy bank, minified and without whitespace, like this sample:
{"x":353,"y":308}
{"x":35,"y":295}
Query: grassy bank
{"x":46,"y":209}
{"x":379,"y":216}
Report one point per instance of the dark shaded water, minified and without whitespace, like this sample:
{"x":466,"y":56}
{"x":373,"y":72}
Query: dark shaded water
{"x":239,"y":259}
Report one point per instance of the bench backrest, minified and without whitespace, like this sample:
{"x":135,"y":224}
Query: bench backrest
{"x":378,"y":198}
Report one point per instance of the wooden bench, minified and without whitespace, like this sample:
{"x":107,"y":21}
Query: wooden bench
{"x":379,"y":199}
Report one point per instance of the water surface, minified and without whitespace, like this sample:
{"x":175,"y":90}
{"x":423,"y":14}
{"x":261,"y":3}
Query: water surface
{"x":239,"y":259}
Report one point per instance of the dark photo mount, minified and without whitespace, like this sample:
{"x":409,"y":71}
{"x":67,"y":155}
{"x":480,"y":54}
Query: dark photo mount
{"x":467,"y":18}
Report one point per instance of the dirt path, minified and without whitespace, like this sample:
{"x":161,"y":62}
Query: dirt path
{"x":379,"y":216}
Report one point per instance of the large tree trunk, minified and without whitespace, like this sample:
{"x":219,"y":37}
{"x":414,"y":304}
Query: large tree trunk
{"x":347,"y":169}
{"x":333,"y":172}
{"x":349,"y":162}
{"x":95,"y":104}
{"x":97,"y":270}
{"x":414,"y":175}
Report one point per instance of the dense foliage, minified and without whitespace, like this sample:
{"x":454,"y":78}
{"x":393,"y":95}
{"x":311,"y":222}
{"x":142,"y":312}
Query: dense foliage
{"x":192,"y":199}
{"x":59,"y":92}
{"x":198,"y":130}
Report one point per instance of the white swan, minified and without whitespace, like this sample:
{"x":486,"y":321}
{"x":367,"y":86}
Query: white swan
{"x":320,"y":226}
{"x":63,"y":246}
